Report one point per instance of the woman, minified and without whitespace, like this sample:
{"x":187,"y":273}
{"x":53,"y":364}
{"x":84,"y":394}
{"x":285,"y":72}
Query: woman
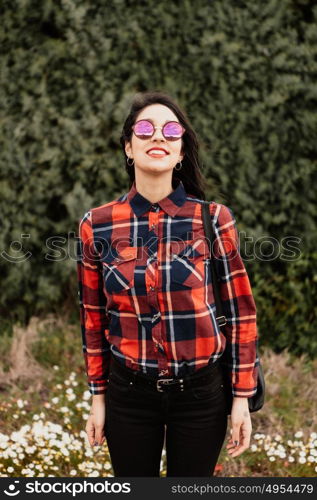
{"x":150,"y":341}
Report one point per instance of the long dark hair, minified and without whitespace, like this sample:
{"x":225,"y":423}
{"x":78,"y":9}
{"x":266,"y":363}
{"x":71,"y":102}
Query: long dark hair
{"x":190,"y":173}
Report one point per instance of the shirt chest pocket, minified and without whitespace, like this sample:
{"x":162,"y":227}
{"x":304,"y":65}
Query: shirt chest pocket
{"x":118,"y":272}
{"x":187,"y":262}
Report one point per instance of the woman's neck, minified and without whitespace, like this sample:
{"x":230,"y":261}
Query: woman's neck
{"x":153,"y":188}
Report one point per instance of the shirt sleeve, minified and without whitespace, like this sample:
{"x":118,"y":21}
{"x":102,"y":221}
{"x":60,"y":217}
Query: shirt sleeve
{"x":238,"y":306}
{"x":92,"y":305}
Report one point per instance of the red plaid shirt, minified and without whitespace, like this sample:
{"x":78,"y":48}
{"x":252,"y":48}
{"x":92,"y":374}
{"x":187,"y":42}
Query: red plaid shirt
{"x":145,"y":290}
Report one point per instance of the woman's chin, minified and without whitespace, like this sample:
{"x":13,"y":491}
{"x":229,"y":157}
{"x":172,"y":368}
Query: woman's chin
{"x":156,"y":167}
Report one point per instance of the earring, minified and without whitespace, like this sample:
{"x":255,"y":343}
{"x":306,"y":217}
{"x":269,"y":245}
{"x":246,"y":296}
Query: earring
{"x":179,"y":167}
{"x":130,"y":164}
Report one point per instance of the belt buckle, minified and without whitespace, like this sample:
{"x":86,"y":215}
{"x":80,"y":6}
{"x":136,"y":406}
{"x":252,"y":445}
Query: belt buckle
{"x":166,"y":381}
{"x":162,"y":381}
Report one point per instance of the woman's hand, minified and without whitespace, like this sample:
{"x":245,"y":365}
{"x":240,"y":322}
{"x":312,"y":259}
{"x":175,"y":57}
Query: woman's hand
{"x":96,"y":421}
{"x":241,"y":427}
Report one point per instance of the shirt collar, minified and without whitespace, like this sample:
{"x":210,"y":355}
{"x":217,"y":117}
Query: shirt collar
{"x":170,"y":204}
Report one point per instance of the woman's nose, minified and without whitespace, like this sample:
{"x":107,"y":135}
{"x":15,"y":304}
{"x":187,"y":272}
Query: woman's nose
{"x":158,"y":134}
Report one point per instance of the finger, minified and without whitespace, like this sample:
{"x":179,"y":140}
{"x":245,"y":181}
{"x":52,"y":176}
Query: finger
{"x":235,"y":434}
{"x":231,"y":446}
{"x":91,"y":436}
{"x":238,"y":452}
{"x":90,"y":430}
{"x":234,"y":442}
{"x":103,"y":438}
{"x":236,"y":439}
{"x":99,"y":442}
{"x":231,"y":451}
{"x":99,"y":436}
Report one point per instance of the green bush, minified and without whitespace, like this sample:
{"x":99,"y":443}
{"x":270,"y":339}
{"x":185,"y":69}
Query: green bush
{"x":287,"y":304}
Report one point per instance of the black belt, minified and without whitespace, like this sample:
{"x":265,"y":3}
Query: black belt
{"x":201,"y":377}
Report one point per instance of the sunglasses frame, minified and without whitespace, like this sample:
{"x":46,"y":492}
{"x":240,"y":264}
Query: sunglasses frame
{"x":162,"y":128}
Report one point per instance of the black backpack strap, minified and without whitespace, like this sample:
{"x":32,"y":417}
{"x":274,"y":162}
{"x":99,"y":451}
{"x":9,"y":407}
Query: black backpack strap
{"x":210,"y":235}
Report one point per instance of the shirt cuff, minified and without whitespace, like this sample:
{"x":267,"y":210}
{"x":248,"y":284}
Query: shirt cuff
{"x":98,"y":386}
{"x":243,"y":393}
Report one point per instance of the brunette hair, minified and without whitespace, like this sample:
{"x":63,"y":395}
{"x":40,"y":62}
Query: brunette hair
{"x":190,"y":173}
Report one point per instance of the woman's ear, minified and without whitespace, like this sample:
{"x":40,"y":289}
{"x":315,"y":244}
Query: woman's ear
{"x":128,"y":148}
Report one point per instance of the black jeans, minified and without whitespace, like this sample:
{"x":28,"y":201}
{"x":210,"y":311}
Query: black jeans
{"x":195,"y":419}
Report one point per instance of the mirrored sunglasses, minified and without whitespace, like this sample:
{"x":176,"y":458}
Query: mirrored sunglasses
{"x":144,"y":129}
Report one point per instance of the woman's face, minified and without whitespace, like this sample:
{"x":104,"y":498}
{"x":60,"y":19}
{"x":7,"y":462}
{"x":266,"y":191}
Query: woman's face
{"x":138,"y":148}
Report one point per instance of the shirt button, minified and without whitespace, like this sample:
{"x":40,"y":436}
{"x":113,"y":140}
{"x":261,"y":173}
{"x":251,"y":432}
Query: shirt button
{"x":159,"y":347}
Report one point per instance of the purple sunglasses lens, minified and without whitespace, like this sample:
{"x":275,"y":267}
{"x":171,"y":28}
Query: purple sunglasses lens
{"x":173,"y":129}
{"x":143,"y":127}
